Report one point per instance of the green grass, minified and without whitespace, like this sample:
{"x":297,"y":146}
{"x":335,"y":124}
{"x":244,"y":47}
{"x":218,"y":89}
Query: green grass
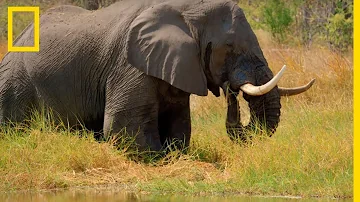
{"x":310,"y":155}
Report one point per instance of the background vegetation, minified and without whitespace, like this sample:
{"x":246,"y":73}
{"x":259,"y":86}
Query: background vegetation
{"x":296,"y":22}
{"x":310,"y":155}
{"x":304,"y":21}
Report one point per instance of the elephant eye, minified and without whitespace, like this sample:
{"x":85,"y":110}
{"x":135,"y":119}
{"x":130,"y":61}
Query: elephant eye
{"x":229,"y":46}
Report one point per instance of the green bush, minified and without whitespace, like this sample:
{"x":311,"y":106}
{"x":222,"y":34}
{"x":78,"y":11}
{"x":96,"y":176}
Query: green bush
{"x":340,"y":29}
{"x":277,"y":18}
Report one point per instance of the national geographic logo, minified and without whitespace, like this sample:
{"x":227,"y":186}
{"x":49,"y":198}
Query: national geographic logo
{"x":36,"y":46}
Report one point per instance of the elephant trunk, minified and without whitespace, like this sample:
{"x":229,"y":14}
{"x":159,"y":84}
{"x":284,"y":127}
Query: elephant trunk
{"x":264,"y":110}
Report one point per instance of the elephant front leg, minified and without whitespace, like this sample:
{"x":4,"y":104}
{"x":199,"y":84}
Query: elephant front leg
{"x":234,"y":128}
{"x":175,"y":125}
{"x":132,"y":108}
{"x":139,"y":123}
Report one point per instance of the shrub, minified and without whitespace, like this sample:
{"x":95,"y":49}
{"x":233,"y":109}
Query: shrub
{"x":277,"y":18}
{"x":340,"y":29}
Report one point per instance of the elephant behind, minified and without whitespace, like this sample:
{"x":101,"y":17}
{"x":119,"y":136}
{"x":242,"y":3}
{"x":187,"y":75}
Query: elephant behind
{"x":134,"y":65}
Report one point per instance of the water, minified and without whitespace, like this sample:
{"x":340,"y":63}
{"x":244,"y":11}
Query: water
{"x":102,"y":195}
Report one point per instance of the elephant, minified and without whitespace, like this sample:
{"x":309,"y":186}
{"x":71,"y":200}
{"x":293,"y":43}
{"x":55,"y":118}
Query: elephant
{"x":134,"y":65}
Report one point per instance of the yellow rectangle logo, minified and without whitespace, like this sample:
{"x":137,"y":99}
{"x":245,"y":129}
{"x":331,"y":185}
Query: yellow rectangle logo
{"x":36,"y":46}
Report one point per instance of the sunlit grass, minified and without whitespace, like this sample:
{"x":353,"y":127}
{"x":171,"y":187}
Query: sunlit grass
{"x":3,"y":50}
{"x":309,"y":155}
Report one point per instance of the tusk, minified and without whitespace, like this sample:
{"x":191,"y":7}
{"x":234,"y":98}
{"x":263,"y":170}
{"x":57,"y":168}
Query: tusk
{"x":296,"y":90}
{"x":263,"y":89}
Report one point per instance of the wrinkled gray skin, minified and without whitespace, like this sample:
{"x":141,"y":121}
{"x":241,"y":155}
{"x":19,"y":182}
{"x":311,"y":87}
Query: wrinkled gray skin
{"x":134,"y":64}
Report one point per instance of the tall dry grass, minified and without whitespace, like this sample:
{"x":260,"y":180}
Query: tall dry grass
{"x":3,"y":50}
{"x":309,"y":155}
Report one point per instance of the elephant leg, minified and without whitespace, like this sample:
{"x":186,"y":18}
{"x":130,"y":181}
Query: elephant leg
{"x":131,"y":109}
{"x":234,"y":128}
{"x":175,"y":124}
{"x":140,"y":124}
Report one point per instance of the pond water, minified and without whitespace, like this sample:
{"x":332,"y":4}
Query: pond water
{"x":101,"y":195}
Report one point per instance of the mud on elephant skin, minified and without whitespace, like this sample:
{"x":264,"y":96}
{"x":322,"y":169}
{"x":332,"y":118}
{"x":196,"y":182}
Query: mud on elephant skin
{"x":134,"y":65}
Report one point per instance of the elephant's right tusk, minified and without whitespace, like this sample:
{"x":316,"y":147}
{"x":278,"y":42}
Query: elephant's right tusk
{"x":296,"y":90}
{"x":263,"y":89}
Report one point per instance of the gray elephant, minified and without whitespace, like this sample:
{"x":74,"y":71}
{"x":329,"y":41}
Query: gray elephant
{"x":134,"y":65}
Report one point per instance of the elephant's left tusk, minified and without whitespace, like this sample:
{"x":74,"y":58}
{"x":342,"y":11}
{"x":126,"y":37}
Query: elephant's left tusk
{"x":263,"y":89}
{"x":296,"y":90}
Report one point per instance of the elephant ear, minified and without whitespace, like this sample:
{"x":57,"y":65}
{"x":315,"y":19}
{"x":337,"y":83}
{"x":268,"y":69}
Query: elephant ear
{"x":161,"y":45}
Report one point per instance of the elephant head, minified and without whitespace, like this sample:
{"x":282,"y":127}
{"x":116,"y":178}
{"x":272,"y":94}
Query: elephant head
{"x":201,"y":45}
